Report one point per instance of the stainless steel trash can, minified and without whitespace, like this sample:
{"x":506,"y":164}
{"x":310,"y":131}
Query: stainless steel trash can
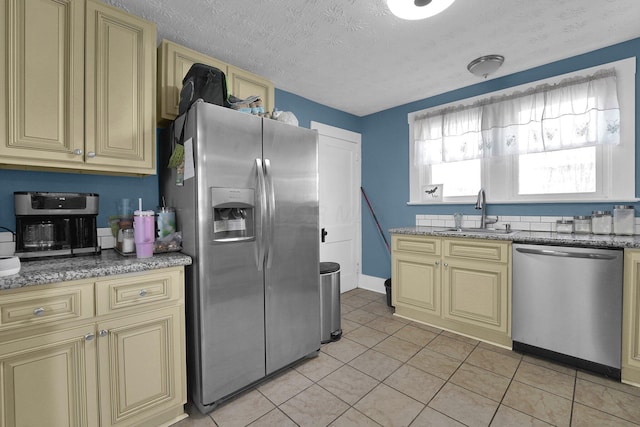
{"x":330,"y":328}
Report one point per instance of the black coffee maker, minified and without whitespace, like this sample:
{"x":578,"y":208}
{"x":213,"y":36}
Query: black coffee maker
{"x":55,"y":224}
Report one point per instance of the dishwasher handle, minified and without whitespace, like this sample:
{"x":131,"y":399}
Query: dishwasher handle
{"x":564,"y":254}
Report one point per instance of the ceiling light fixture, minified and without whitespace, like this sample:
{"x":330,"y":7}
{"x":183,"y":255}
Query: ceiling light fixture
{"x":485,"y":65}
{"x":417,"y":9}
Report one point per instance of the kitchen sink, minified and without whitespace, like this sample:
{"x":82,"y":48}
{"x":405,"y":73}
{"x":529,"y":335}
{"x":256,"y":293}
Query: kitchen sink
{"x":476,"y":231}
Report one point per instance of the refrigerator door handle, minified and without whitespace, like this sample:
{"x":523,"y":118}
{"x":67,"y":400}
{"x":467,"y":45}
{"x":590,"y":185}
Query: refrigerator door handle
{"x":271,"y":202}
{"x":262,"y":193}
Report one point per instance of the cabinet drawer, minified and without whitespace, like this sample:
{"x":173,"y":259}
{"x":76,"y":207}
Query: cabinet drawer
{"x":44,"y":304}
{"x":416,"y":244}
{"x":477,"y":249}
{"x":137,"y":290}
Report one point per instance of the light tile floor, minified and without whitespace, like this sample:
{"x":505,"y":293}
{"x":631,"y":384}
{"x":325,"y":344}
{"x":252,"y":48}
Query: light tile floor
{"x":391,"y":372}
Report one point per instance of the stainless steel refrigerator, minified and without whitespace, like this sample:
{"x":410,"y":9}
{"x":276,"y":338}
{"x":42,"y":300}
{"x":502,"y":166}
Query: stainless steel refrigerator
{"x":249,"y":219}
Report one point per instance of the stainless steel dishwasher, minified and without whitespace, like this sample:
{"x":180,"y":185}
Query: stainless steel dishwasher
{"x":567,"y":305}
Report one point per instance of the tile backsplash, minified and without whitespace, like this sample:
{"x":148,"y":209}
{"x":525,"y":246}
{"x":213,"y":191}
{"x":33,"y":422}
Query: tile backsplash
{"x":524,"y":223}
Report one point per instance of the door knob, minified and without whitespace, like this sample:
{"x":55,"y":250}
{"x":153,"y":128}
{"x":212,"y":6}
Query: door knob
{"x":91,"y":154}
{"x":77,"y":152}
{"x":323,"y":234}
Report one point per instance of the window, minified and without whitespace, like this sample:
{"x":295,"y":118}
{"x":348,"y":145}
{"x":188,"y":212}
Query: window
{"x":558,"y":172}
{"x":461,"y":177}
{"x":567,"y":139}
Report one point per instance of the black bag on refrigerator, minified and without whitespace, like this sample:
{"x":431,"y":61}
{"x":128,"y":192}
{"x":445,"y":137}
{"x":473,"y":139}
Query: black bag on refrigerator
{"x":206,"y":82}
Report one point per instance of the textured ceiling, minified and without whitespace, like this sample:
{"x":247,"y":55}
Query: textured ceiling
{"x":355,"y":56}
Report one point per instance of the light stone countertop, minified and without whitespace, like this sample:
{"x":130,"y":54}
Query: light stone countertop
{"x":532,"y":237}
{"x":108,"y":263}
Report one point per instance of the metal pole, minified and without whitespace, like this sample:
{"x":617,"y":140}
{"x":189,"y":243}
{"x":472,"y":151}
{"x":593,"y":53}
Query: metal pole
{"x":376,"y":220}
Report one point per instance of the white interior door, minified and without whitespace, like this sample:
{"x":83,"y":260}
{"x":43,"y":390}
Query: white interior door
{"x":339,"y":170}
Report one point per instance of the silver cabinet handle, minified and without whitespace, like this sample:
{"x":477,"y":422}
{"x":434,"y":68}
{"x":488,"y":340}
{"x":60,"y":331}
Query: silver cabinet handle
{"x":446,"y":265}
{"x":143,"y":292}
{"x":77,"y":152}
{"x":437,"y":263}
{"x":91,"y":154}
{"x":38,"y":311}
{"x":89,"y":336}
{"x":103,"y":333}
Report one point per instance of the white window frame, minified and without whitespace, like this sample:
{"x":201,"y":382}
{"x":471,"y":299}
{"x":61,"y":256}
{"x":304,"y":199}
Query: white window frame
{"x":616,"y":167}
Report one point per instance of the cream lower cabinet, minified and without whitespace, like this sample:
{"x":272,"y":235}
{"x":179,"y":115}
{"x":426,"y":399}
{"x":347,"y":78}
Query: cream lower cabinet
{"x":136,"y":363}
{"x":77,"y":88}
{"x":49,"y":379}
{"x":462,"y":285}
{"x":415,"y":272}
{"x":107,"y":352}
{"x":631,"y":318}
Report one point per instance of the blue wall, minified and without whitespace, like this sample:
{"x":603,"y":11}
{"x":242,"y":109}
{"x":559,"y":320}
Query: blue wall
{"x":113,"y":188}
{"x":110,"y":189}
{"x":385,"y":157}
{"x":385,"y":161}
{"x":307,"y":111}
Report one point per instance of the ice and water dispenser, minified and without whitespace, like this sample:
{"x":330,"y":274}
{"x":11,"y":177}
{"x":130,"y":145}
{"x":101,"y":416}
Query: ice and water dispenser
{"x":233,"y":214}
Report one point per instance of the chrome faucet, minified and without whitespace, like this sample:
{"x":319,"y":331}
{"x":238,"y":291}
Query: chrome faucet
{"x":481,"y":203}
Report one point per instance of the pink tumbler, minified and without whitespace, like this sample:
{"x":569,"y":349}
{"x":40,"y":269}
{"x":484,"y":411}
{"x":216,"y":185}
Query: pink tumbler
{"x":144,"y":233}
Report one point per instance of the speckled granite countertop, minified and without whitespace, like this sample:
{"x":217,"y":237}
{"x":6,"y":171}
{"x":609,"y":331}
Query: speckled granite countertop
{"x":108,"y":263}
{"x":533,"y":237}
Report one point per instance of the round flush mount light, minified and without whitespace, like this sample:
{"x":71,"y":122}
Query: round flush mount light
{"x":417,"y":9}
{"x":485,"y":65}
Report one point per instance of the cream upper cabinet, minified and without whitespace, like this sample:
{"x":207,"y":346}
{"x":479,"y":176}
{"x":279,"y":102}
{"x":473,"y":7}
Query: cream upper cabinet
{"x":79,"y":78}
{"x":631,"y":318}
{"x":120,"y":66}
{"x":173,"y":63}
{"x":42,"y":75}
{"x":244,"y":84}
{"x":95,"y":352}
{"x":175,"y":60}
{"x":463,"y":285}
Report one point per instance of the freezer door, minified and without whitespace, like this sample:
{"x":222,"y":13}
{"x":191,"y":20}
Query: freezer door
{"x":292,"y":276}
{"x":230,"y":283}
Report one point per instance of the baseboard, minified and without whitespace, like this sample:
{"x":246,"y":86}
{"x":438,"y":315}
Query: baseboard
{"x":372,"y":283}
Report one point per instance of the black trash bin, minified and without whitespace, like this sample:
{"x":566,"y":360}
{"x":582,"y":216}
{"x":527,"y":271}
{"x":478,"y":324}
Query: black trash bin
{"x":330,"y":329}
{"x":387,"y":288}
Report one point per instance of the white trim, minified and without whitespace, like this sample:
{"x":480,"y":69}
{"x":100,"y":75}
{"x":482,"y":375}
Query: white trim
{"x":622,"y":156}
{"x":372,"y":283}
{"x":335,"y":132}
{"x":354,"y":138}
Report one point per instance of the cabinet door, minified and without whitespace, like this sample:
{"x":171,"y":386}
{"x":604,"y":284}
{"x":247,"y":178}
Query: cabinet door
{"x":631,"y":318}
{"x":141,"y":365}
{"x":120,"y":66}
{"x":42,"y":82}
{"x":174,"y":62}
{"x":476,"y":293}
{"x":244,"y":84}
{"x":416,"y":282}
{"x":49,"y":380}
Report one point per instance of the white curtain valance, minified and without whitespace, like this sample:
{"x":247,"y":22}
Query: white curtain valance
{"x":576,"y":112}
